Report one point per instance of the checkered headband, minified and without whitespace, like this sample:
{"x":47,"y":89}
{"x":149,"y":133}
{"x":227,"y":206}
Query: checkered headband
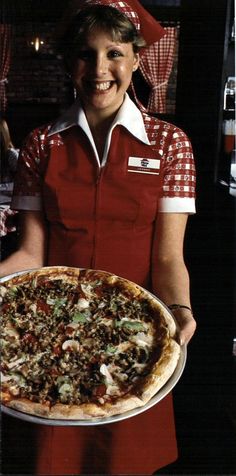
{"x":121,"y":6}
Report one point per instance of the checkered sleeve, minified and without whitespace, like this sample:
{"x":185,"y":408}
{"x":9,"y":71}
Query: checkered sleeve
{"x":7,"y":222}
{"x":179,"y":181}
{"x":27,"y":186}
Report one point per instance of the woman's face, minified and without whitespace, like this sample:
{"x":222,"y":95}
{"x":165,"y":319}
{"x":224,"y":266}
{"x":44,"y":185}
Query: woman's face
{"x":102,"y":73}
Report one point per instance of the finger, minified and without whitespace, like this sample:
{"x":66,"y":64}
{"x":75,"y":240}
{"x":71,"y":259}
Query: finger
{"x":187,"y":331}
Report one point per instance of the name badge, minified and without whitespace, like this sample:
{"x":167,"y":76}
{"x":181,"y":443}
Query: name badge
{"x":143,"y":165}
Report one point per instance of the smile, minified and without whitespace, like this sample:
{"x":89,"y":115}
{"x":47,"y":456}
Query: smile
{"x":101,"y":86}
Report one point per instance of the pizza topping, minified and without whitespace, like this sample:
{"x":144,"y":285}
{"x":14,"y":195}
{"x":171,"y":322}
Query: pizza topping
{"x":71,"y":345}
{"x":82,"y":304}
{"x":3,"y":291}
{"x":76,"y":341}
{"x":16,"y":362}
{"x":104,"y":371}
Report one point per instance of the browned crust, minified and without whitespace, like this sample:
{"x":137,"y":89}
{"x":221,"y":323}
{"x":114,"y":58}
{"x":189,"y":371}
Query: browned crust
{"x":160,"y":374}
{"x":161,"y":371}
{"x":164,"y":313}
{"x":5,"y":396}
{"x":26,"y":406}
{"x":49,"y":272}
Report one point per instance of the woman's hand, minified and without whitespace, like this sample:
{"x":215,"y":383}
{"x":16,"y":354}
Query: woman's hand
{"x":187,"y":325}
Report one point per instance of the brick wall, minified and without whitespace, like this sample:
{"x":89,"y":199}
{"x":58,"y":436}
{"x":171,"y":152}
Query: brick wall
{"x":35,"y":77}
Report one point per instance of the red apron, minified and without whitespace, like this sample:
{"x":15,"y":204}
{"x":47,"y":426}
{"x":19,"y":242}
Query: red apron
{"x":103,"y":218}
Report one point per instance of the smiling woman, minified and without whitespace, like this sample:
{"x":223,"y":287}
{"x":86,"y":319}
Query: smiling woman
{"x":101,"y":53}
{"x":108,"y":187}
{"x":101,"y":74}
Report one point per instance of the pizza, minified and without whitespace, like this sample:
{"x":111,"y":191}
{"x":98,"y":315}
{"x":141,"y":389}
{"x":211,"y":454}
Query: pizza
{"x":82,"y":344}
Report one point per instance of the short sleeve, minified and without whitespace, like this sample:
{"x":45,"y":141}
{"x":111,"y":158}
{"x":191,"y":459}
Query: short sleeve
{"x":179,"y":180}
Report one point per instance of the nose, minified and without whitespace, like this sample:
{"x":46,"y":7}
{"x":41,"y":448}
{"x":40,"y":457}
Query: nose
{"x":101,"y":65}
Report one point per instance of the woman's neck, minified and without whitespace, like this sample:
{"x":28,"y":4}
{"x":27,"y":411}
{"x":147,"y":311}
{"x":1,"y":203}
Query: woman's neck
{"x":99,"y":127}
{"x":99,"y":133}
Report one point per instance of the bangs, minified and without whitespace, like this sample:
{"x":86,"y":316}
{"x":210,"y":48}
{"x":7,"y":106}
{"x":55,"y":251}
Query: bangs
{"x":107,"y":19}
{"x":98,"y":18}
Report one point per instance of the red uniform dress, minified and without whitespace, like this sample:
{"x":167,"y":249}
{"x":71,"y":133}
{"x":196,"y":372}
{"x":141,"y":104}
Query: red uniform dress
{"x":102,"y":216}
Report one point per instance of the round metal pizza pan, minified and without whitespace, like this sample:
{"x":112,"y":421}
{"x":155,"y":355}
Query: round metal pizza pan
{"x":169,"y":385}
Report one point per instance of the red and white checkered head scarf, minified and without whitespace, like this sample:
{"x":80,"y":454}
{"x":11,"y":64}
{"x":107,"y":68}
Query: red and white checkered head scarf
{"x":145,"y":24}
{"x":123,"y":7}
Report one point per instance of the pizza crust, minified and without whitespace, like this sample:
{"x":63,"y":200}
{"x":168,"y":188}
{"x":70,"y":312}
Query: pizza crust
{"x":69,"y":275}
{"x":150,"y":385}
{"x":26,"y":406}
{"x":161,"y":371}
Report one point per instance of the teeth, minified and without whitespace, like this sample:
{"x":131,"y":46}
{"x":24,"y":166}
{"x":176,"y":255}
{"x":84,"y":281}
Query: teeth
{"x":102,"y":86}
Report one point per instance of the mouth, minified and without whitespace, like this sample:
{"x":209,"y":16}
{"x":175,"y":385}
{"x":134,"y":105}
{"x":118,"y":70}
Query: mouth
{"x":100,"y":86}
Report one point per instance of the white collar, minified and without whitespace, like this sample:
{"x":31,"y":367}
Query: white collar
{"x":128,"y":116}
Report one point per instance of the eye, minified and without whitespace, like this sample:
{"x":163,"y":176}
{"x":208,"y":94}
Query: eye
{"x":85,"y":55}
{"x":114,"y":54}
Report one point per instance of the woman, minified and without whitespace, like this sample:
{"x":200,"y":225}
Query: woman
{"x":92,"y":201}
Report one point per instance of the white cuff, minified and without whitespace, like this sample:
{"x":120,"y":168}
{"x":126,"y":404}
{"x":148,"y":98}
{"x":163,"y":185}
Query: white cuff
{"x":177,"y":205}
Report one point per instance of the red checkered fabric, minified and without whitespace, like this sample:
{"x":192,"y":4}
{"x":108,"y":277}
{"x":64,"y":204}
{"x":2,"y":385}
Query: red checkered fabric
{"x":155,"y":65}
{"x":123,"y":7}
{"x":5,"y":54}
{"x":6,"y":224}
{"x":146,"y":24}
{"x":33,"y":157}
{"x":175,"y":148}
